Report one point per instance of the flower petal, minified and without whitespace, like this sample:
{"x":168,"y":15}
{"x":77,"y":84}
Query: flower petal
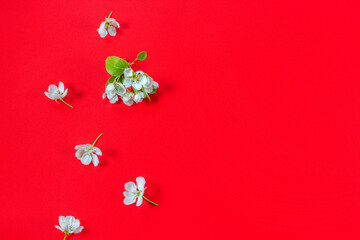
{"x":130,"y":187}
{"x":112,"y":31}
{"x":137,"y":85}
{"x":140,"y":183}
{"x":97,"y":151}
{"x":102,"y":32}
{"x":114,"y":22}
{"x":49,"y":95}
{"x":128,"y":72}
{"x":86,"y":159}
{"x":52,"y":88}
{"x":79,"y":153}
{"x":64,"y":93}
{"x":61,"y":87}
{"x":79,"y":229}
{"x":139,"y":201}
{"x":59,"y":228}
{"x":127,"y":82}
{"x":95,"y":160}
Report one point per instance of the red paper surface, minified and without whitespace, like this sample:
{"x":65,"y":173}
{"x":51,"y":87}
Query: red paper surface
{"x":253,"y":134}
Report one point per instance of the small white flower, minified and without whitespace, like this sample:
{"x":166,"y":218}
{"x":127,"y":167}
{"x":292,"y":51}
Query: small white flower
{"x":57,"y":93}
{"x":135,"y":79}
{"x":139,"y":97}
{"x":87,"y":153}
{"x":109,"y":25}
{"x":135,"y":191}
{"x":113,"y":90}
{"x":69,"y":225}
{"x":128,"y":98}
{"x":151,"y":85}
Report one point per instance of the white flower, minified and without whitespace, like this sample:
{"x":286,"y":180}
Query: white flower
{"x":69,"y":225}
{"x":57,"y":93}
{"x":134,"y":192}
{"x":139,"y":97}
{"x":128,"y":98}
{"x":113,"y":90}
{"x":151,"y":85}
{"x":109,"y":25}
{"x":87,"y":153}
{"x":136,"y":80}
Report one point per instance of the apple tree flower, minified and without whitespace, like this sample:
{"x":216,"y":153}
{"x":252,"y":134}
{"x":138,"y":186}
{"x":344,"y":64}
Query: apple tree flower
{"x":109,"y":25}
{"x":128,"y":98}
{"x":87,"y":153}
{"x":135,"y":191}
{"x":69,"y":225}
{"x":113,"y":90}
{"x":151,"y":85}
{"x":57,"y":93}
{"x":135,"y":79}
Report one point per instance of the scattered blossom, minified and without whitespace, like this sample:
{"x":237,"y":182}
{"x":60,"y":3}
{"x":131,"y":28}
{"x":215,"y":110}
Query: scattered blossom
{"x":109,"y":25}
{"x":87,"y":153}
{"x":57,"y":93}
{"x":135,"y":191}
{"x":69,"y":225}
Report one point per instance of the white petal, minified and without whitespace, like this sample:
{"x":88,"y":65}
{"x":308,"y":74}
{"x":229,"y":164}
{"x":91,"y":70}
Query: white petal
{"x":79,"y":229}
{"x":127,"y":82}
{"x":102,"y":25}
{"x":128,"y":72}
{"x":64,"y":94}
{"x":49,"y":95}
{"x":97,"y":151}
{"x":114,"y":99}
{"x":59,"y":228}
{"x":102,"y":32}
{"x":61,"y":219}
{"x":76,"y":224}
{"x":86,"y":159}
{"x":112,"y":31}
{"x":129,"y":198}
{"x":140,"y":183}
{"x":129,"y":195}
{"x":110,"y":87}
{"x":61,"y":87}
{"x":79,"y":153}
{"x":137,"y":85}
{"x":139,"y":201}
{"x":95,"y":160}
{"x":52,"y":88}
{"x":130,"y":187}
{"x":114,"y":22}
{"x":155,"y":84}
{"x":121,"y":90}
{"x":128,"y":101}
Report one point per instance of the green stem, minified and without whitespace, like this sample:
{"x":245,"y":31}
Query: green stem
{"x":109,"y":14}
{"x":133,"y":62}
{"x":96,"y":140}
{"x":66,"y":234}
{"x":65,"y":102}
{"x":150,"y":201}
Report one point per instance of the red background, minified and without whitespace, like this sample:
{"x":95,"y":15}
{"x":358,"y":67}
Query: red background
{"x":254,"y":132}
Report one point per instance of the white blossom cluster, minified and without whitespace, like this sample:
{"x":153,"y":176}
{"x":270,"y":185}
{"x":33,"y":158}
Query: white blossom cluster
{"x":134,"y":87}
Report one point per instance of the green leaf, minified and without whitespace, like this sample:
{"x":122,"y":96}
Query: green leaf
{"x":141,"y":56}
{"x":115,"y":66}
{"x":110,"y":80}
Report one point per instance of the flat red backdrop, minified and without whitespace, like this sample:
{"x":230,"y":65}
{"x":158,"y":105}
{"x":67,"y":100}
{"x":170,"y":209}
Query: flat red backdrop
{"x":254,"y":132}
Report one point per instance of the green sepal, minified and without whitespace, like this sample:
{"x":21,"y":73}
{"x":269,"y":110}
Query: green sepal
{"x":146,"y":95}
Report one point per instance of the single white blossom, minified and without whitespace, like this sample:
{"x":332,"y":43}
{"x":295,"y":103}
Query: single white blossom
{"x":57,"y":93}
{"x":135,"y":79}
{"x":69,"y":225}
{"x":128,"y":98}
{"x":113,"y":90}
{"x":109,"y":25}
{"x":87,"y":153}
{"x":151,"y":85}
{"x":135,"y":191}
{"x":139,"y":97}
